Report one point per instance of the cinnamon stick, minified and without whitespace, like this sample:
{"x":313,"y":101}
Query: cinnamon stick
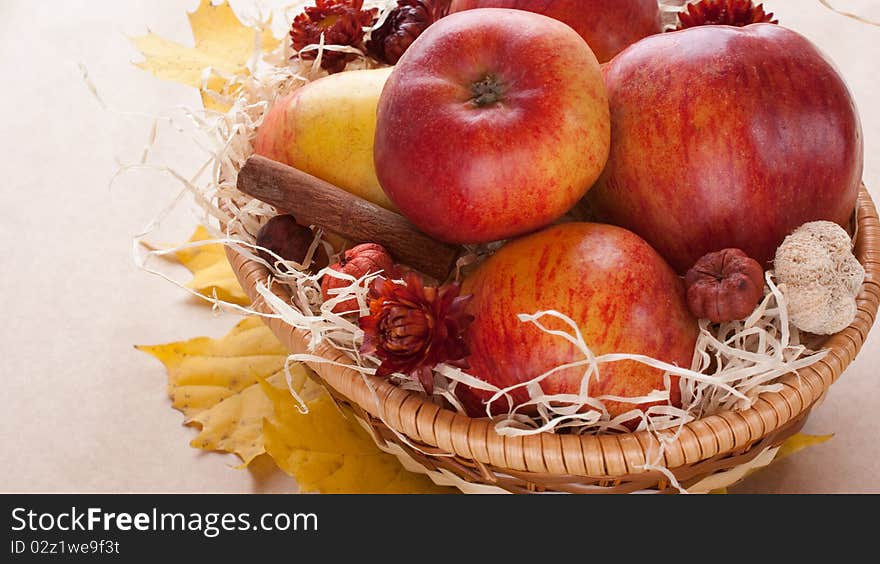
{"x":313,"y":201}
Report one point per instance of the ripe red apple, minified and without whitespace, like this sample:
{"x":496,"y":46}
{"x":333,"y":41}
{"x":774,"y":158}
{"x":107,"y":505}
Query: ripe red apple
{"x":608,"y":26}
{"x":493,"y":124}
{"x":611,"y":283}
{"x":726,"y":137}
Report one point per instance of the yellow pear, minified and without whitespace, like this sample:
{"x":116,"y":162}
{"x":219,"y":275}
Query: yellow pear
{"x":326,"y":128}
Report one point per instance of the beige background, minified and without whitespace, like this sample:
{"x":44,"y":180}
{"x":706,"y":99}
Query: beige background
{"x":81,"y":409}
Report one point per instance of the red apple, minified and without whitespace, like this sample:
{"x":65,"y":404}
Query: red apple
{"x":611,"y":283}
{"x":608,"y":26}
{"x":494,"y":123}
{"x":726,"y":137}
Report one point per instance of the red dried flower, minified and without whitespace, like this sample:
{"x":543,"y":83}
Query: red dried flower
{"x":412,"y":328}
{"x":341,"y":22}
{"x":404,"y":25}
{"x":739,"y":13}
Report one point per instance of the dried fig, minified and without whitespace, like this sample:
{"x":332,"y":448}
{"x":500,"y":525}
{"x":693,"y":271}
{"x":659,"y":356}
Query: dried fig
{"x":724,"y":286}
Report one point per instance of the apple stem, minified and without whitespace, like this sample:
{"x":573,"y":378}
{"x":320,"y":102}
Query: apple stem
{"x":487,"y":92}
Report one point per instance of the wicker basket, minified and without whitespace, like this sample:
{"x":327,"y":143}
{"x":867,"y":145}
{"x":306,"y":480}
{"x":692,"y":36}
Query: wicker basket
{"x":470,"y":453}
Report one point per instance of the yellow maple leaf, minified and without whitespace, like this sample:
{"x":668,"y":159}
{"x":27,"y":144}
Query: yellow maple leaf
{"x":222,"y":43}
{"x":215,"y":383}
{"x":212,"y":273}
{"x":235,"y":389}
{"x":326,"y":451}
{"x":211,"y":270}
{"x":792,"y":445}
{"x":798,"y":443}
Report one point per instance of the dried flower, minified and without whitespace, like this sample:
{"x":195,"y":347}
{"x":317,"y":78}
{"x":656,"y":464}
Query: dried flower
{"x":737,"y":13}
{"x":404,"y":24}
{"x":413,"y":327}
{"x":341,"y":22}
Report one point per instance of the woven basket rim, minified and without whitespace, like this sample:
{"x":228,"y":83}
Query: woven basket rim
{"x":549,"y":457}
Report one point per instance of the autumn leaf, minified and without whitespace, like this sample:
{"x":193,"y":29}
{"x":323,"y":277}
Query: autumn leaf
{"x":212,"y":273}
{"x":798,"y":443}
{"x":215,"y":383}
{"x":211,"y":270}
{"x":328,"y":452}
{"x":222,"y":43}
{"x":791,"y":446}
{"x":235,"y":390}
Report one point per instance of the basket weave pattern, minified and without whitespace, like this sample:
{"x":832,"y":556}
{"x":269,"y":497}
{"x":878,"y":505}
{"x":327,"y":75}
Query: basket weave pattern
{"x":472,"y":450}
